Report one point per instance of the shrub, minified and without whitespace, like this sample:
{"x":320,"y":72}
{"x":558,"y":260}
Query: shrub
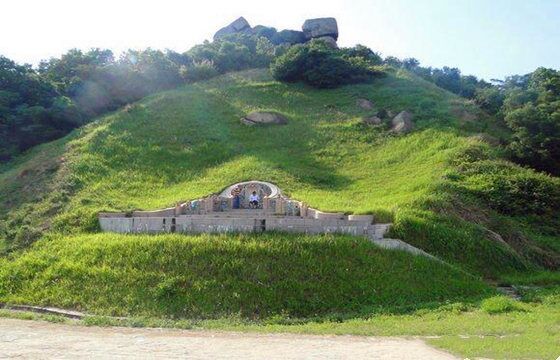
{"x":234,"y":52}
{"x":500,"y":304}
{"x":536,"y":136}
{"x":199,"y":71}
{"x":318,"y":65}
{"x":512,"y":189}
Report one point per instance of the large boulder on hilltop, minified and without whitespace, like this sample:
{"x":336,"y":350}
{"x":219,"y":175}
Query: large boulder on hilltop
{"x":264,"y":118}
{"x":288,"y":37}
{"x":315,"y":28}
{"x":239,"y":25}
{"x":402,"y":123}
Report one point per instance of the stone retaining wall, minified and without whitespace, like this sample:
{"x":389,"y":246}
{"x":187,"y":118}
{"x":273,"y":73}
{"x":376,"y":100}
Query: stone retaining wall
{"x":212,"y":224}
{"x":231,"y":211}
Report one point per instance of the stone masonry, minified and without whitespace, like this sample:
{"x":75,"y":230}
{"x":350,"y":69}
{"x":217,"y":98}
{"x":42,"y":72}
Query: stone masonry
{"x":231,"y":211}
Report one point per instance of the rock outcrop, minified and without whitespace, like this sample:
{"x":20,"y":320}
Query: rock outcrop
{"x":238,"y":26}
{"x":264,"y":118}
{"x":316,"y":28}
{"x":364,"y":104}
{"x":325,"y":29}
{"x":402,"y":123}
{"x":289,"y":37}
{"x":372,"y":120}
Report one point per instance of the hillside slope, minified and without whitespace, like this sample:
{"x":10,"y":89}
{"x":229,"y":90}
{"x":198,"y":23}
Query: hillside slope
{"x":187,"y":143}
{"x":212,"y":276}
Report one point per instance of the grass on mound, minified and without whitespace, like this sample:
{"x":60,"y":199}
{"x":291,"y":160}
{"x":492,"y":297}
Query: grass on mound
{"x":209,"y":276}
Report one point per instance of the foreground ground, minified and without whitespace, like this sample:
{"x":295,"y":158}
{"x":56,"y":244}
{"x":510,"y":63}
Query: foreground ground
{"x":36,"y":339}
{"x":498,"y":328}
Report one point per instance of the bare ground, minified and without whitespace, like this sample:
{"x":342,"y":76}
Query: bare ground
{"x":25,"y":339}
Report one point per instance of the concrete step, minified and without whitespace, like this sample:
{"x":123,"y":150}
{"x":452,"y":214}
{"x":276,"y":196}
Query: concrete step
{"x":242,"y":213}
{"x":239,"y":216}
{"x":397,"y":244}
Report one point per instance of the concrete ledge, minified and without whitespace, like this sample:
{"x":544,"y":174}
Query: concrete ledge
{"x":163,"y":212}
{"x":44,"y":310}
{"x":112,"y":215}
{"x":328,"y":216}
{"x":361,"y":218}
{"x":396,"y":244}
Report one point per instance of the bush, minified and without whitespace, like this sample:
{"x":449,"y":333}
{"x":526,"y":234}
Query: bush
{"x":536,"y":136}
{"x":513,"y":190}
{"x":199,"y":71}
{"x":318,"y":65}
{"x":500,"y":304}
{"x":234,"y":52}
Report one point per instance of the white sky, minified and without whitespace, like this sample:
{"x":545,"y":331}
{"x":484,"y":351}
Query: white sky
{"x":488,"y":38}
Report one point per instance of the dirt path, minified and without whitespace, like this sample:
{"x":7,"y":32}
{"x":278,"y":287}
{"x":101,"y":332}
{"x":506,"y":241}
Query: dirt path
{"x":24,"y":339}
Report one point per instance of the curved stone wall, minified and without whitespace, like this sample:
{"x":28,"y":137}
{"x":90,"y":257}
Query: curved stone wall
{"x":229,"y":211}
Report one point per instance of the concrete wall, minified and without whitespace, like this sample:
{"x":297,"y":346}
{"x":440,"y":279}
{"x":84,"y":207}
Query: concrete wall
{"x":210,"y":224}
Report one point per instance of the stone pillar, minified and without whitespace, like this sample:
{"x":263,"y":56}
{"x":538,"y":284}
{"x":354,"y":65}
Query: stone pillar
{"x":303,"y":209}
{"x":265,"y":203}
{"x":281,"y":206}
{"x":209,"y":201}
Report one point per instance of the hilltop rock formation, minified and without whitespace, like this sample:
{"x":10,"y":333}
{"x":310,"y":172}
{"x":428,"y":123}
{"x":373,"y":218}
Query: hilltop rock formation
{"x":402,"y":123}
{"x":264,"y":118}
{"x":239,"y":25}
{"x":321,"y":27}
{"x":289,"y":37}
{"x":325,"y":29}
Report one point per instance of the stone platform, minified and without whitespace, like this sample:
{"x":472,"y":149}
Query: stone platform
{"x":230,"y":211}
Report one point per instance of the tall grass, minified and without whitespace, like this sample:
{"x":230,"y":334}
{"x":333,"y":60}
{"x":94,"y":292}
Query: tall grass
{"x":209,"y":276}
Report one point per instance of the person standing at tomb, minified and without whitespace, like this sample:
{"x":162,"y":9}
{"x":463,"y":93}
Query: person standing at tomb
{"x":254,"y":200}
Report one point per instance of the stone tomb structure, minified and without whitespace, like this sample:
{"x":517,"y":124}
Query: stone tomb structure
{"x":231,"y":211}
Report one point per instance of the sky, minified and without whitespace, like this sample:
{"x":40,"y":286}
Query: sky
{"x":486,"y":38}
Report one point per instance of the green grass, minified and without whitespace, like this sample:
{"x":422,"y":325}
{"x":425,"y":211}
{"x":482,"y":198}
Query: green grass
{"x":252,"y":276}
{"x":183,"y":144}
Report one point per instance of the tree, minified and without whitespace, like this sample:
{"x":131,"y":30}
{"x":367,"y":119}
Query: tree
{"x":363,"y":52}
{"x":448,"y":78}
{"x":532,"y":111}
{"x":489,"y":98}
{"x":536,"y":136}
{"x":393,"y":61}
{"x":410,"y":63}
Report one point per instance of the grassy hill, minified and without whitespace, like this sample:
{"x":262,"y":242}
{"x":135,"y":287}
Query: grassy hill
{"x":251,"y":276}
{"x":436,"y":184}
